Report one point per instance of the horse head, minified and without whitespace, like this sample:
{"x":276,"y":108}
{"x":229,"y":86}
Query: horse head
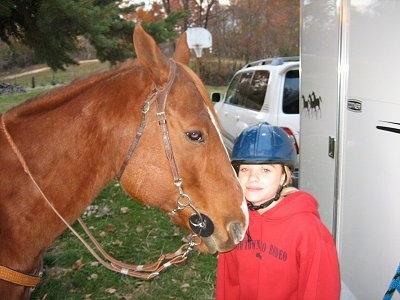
{"x":187,"y":173}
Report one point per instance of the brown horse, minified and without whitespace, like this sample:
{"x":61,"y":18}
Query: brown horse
{"x":62,"y":148}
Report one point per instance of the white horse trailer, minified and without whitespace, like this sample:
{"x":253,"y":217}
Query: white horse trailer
{"x":350,"y":135}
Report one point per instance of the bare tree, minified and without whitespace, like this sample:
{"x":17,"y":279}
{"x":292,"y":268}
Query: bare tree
{"x":245,"y":29}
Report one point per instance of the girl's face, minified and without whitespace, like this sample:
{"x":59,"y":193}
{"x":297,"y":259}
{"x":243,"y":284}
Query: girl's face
{"x":260,"y":182}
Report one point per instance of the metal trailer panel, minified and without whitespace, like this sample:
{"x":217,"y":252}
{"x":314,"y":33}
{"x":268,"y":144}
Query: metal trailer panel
{"x":370,"y":201}
{"x":360,"y":108}
{"x":319,"y":61}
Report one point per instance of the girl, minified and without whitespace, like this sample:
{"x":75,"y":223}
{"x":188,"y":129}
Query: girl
{"x":288,"y":252}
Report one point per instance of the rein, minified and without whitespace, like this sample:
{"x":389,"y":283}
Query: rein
{"x":200,"y":223}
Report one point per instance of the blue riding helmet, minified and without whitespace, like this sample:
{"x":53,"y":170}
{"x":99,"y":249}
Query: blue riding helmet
{"x":263,"y":144}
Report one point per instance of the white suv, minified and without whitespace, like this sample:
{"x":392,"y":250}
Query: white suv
{"x":262,"y":91}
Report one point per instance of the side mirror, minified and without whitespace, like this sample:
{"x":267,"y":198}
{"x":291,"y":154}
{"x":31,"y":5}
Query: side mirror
{"x":216,"y":97}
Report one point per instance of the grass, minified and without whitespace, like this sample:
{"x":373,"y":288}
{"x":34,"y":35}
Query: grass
{"x":44,"y":76}
{"x":8,"y":101}
{"x":129,"y":231}
{"x":134,"y":234}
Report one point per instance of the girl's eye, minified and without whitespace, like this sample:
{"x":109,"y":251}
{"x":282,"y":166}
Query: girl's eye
{"x":195,"y":136}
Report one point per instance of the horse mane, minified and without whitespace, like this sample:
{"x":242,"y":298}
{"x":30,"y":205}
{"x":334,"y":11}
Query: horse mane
{"x":59,"y":96}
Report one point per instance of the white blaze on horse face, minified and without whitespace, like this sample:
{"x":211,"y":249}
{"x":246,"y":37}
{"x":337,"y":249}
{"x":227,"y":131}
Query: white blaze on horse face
{"x":244,"y":204}
{"x":246,"y":214}
{"x":216,"y":128}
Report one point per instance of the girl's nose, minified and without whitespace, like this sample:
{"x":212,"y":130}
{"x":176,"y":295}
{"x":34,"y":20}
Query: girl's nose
{"x":253,"y":176}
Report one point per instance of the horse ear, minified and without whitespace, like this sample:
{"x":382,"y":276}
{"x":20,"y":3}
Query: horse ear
{"x":182,"y":52}
{"x":150,"y":56}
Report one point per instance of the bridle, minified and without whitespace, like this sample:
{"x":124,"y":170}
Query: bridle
{"x":199,"y":223}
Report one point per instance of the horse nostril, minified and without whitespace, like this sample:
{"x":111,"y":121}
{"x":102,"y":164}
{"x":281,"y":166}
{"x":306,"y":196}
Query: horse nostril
{"x":236,"y":231}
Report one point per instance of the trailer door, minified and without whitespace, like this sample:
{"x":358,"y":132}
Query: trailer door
{"x":369,"y":227}
{"x":349,"y":156}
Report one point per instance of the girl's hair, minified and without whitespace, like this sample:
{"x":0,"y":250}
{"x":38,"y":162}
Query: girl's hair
{"x":288,"y":174}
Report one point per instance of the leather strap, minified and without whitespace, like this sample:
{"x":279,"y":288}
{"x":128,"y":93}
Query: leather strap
{"x":18,"y":277}
{"x":161,"y":97}
{"x":162,"y":121}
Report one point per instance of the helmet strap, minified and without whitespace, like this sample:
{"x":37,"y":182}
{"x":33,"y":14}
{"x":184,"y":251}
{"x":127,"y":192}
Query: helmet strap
{"x":251,"y":206}
{"x":277,"y":196}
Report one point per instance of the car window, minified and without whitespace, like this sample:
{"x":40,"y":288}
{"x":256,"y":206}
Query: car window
{"x":290,"y":103}
{"x":257,"y":90}
{"x":231,"y":96}
{"x":248,"y":89}
{"x":243,"y":87}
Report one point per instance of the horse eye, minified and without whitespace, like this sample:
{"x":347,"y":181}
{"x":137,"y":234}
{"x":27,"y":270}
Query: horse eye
{"x":195,"y":136}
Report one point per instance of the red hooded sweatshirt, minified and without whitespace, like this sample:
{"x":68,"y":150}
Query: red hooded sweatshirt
{"x":288,"y":254}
